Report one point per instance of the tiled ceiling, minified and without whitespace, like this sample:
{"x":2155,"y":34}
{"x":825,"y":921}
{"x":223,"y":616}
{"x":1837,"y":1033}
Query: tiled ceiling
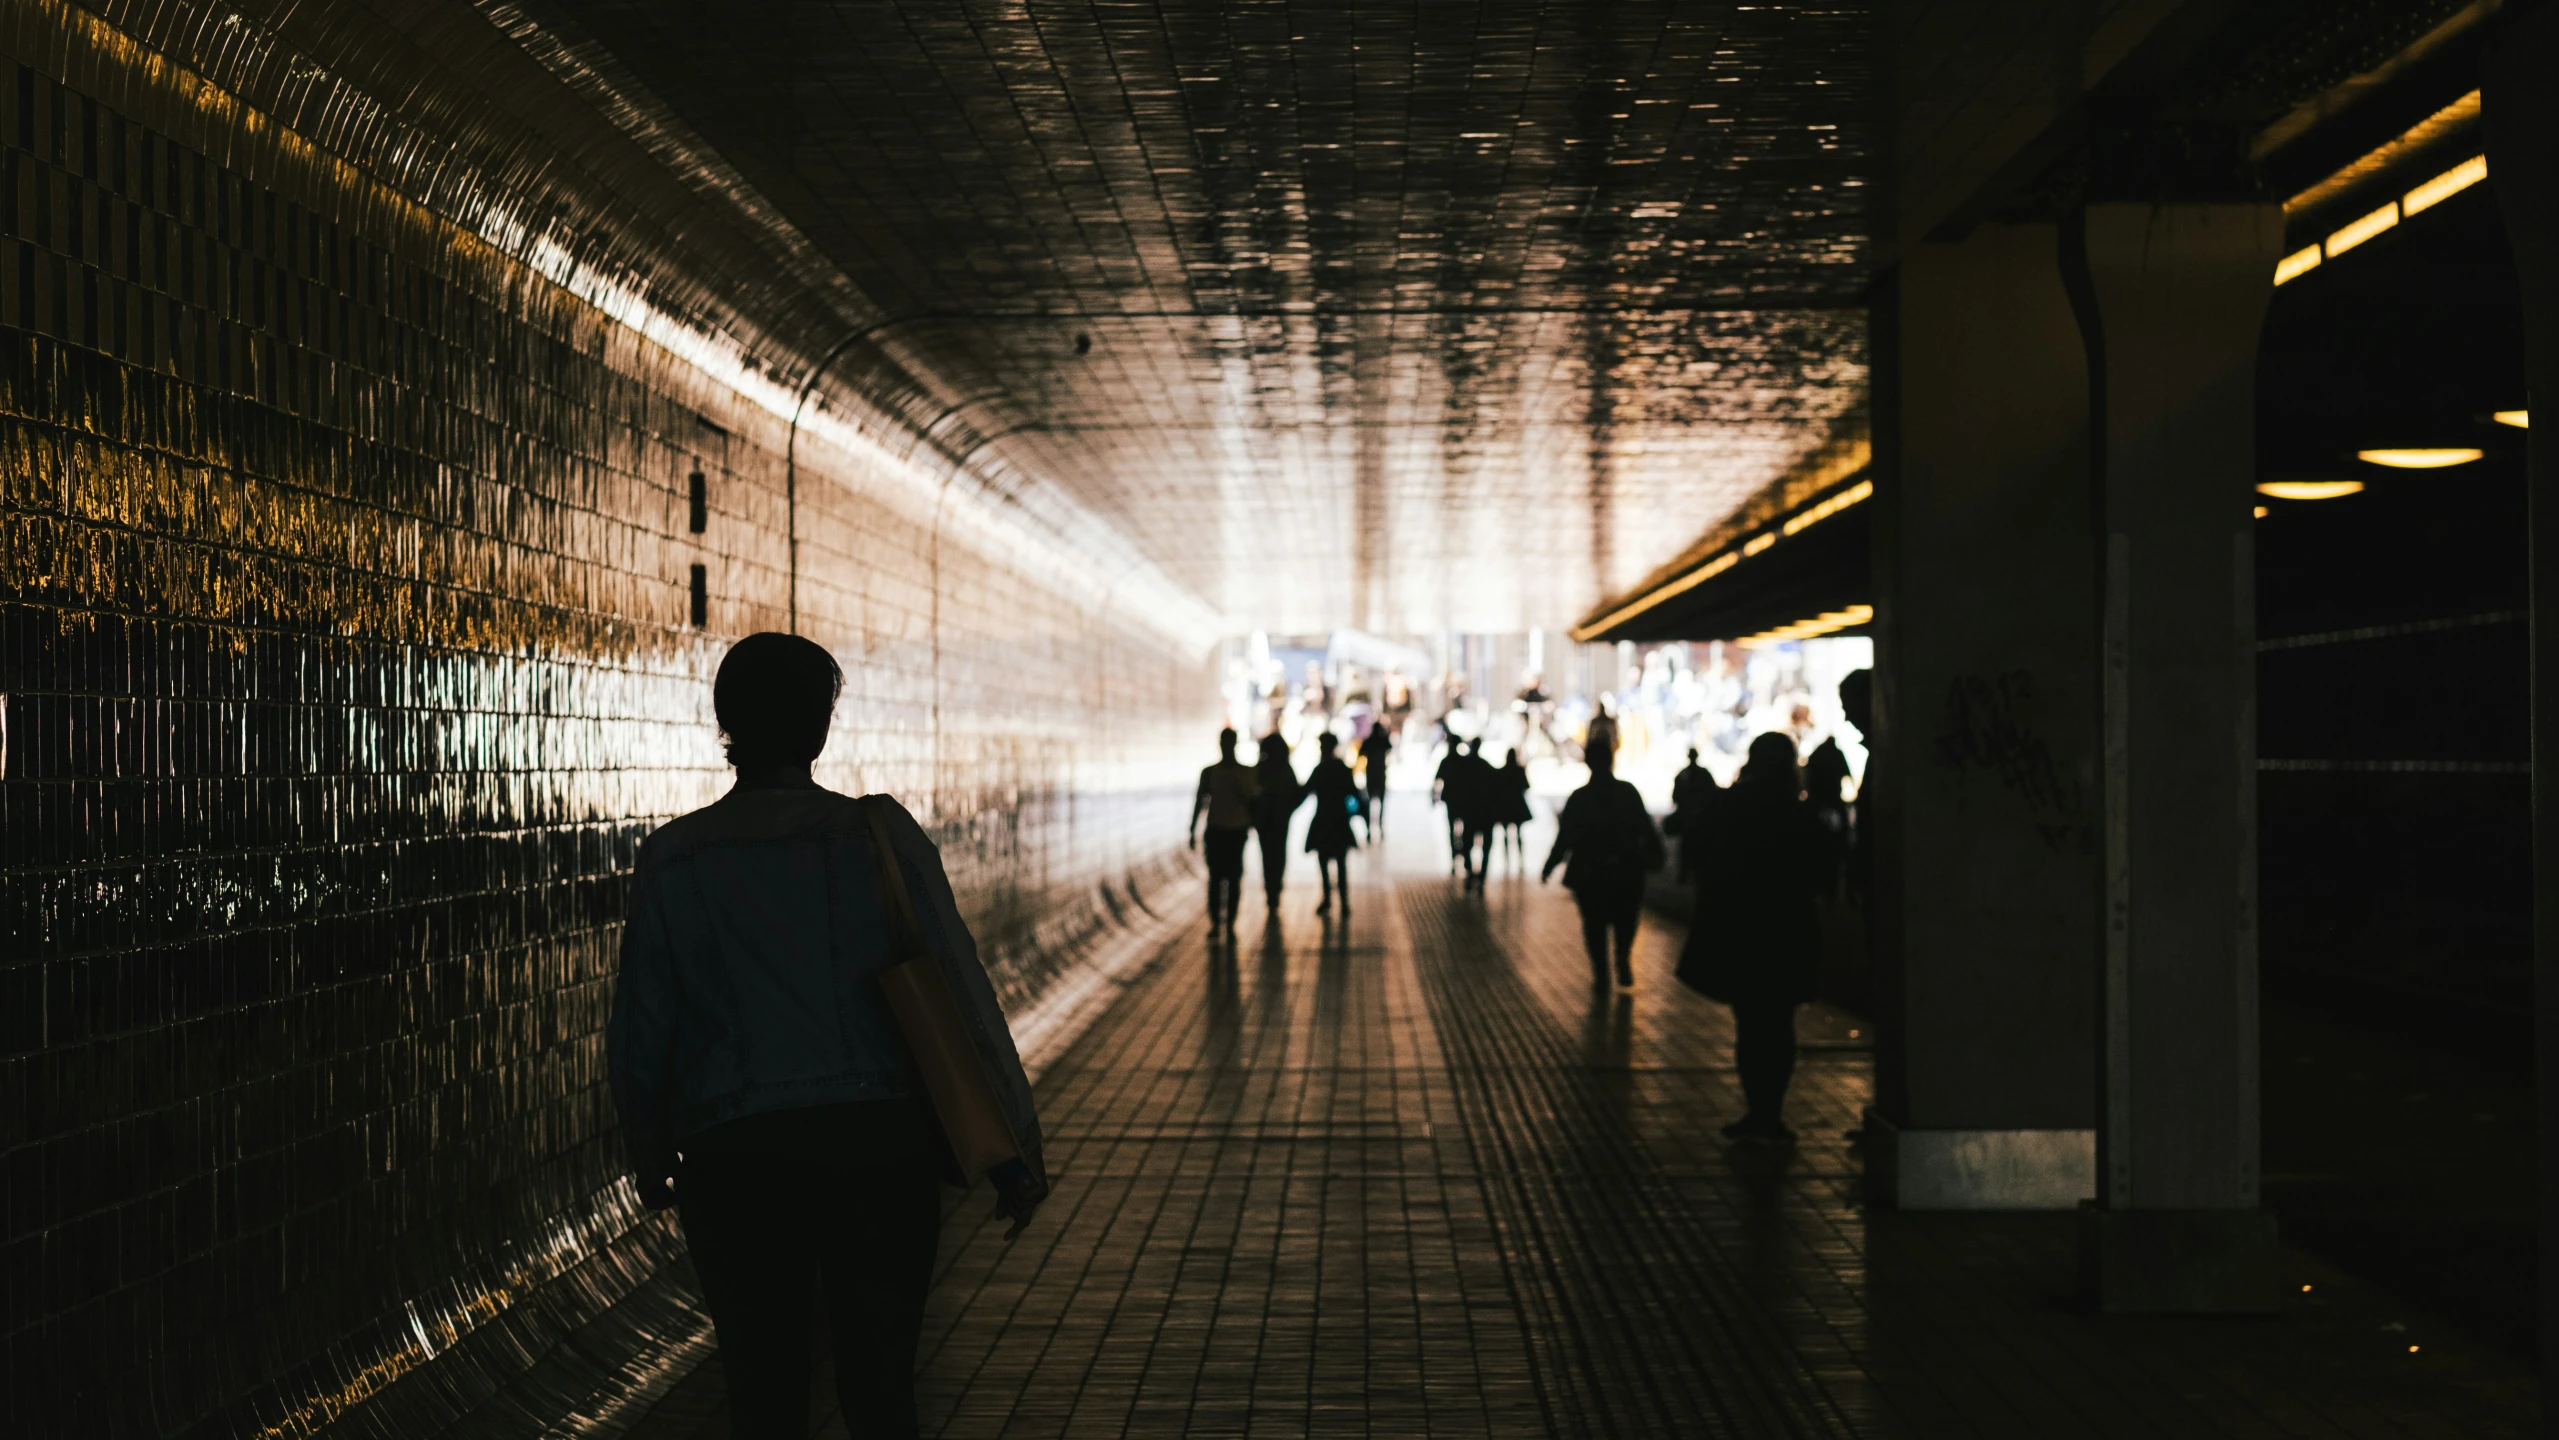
{"x":1401,"y":316}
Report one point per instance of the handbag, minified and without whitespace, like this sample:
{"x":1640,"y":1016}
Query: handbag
{"x":977,"y":1136}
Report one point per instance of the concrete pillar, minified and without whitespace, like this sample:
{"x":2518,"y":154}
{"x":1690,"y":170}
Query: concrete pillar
{"x":2171,"y":299}
{"x":1987,"y":849}
{"x":2521,"y":108}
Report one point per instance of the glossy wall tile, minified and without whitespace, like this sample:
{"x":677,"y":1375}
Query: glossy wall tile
{"x":349,"y":573}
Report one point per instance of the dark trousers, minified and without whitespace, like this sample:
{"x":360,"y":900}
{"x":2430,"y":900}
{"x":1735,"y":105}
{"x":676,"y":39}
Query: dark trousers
{"x":1764,"y":1053}
{"x":1274,"y":860}
{"x":1331,"y":865}
{"x":1613,"y":908}
{"x":775,"y":1203}
{"x":1224,"y":847}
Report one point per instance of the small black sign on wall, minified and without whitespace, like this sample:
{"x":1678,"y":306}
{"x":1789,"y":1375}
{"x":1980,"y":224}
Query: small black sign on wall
{"x":701,"y":596}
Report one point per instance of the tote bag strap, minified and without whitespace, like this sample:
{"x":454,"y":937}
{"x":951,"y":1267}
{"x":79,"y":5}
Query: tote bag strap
{"x":906,"y":935}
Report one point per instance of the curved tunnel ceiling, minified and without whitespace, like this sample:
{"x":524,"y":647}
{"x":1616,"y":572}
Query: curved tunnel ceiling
{"x":1403,"y":317}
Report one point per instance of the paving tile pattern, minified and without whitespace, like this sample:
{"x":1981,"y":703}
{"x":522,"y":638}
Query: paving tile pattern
{"x":1410,"y":1176}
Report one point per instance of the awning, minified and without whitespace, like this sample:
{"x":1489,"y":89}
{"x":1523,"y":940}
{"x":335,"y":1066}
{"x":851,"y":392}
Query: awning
{"x":1795,"y":577}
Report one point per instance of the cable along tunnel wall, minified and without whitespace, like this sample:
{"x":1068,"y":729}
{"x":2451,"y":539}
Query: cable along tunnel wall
{"x":348,"y":654}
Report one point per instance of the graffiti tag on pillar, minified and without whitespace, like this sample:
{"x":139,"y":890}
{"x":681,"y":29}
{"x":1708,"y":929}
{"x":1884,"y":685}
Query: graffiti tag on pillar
{"x":1988,"y":727}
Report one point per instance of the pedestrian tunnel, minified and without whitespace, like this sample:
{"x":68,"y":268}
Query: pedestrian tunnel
{"x":2045,"y":546}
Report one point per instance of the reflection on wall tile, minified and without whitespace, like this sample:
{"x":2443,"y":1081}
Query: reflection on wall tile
{"x":347,"y":655}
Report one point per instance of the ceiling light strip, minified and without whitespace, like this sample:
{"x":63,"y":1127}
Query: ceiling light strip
{"x":2362,"y":228}
{"x":2425,"y":132}
{"x":1795,"y":524}
{"x":1826,"y":623}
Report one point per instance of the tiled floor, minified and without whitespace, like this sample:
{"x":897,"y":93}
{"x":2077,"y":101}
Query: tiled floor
{"x":1406,"y":1175}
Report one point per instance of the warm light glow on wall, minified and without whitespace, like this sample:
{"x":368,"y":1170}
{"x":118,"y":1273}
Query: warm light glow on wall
{"x":2355,"y":232}
{"x":2297,"y":264}
{"x":2308,"y":490}
{"x":2443,"y":187}
{"x":2419,"y":459}
{"x":2520,"y":419}
{"x":1814,"y":515}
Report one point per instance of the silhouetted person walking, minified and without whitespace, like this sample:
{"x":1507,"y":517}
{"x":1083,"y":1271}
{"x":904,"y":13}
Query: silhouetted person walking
{"x":1277,"y":801}
{"x":1225,"y":798}
{"x":1373,"y":748}
{"x":1762,"y":866}
{"x":763,"y":1083}
{"x":1481,"y":805}
{"x":1693,"y":793}
{"x":1328,"y":833}
{"x":1444,"y":786}
{"x":1511,"y":788}
{"x":1606,"y":843}
{"x":1856,"y":703}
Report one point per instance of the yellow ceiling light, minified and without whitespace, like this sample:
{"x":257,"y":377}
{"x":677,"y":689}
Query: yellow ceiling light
{"x":1822,"y":624}
{"x":2261,"y":512}
{"x":2419,"y":459}
{"x":2520,"y":419}
{"x":1862,"y":490}
{"x":2422,"y":135}
{"x":2443,"y":187}
{"x":2297,"y":264}
{"x":1757,"y":543}
{"x":1680,"y":586}
{"x":2308,"y":490}
{"x":2355,"y":232}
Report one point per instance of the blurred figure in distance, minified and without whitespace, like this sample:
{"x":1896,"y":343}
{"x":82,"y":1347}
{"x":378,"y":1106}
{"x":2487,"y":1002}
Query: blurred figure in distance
{"x":1606,"y":841}
{"x":1328,"y":834}
{"x":1278,"y":798}
{"x":1225,"y":800}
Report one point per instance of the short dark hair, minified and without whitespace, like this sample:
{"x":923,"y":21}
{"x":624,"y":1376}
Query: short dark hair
{"x":775,"y":697}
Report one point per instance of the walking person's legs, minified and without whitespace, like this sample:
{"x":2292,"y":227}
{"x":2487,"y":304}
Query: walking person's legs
{"x":1629,"y":912}
{"x":1764,"y":1053}
{"x":1594,"y":935}
{"x":1274,"y":863}
{"x":879,"y":1270}
{"x":1335,"y":867}
{"x":746,"y":1222}
{"x":1225,"y":874}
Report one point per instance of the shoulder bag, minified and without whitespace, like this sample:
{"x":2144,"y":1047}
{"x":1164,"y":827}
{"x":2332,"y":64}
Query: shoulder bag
{"x":977,"y":1137}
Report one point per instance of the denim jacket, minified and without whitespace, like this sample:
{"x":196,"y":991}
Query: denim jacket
{"x":746,"y":982}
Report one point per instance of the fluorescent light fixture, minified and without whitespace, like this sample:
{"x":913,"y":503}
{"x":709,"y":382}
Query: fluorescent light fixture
{"x":1832,"y":506}
{"x":1757,"y":543}
{"x":2297,"y":264}
{"x":2355,"y":232}
{"x":2443,"y":187}
{"x":1680,"y":586}
{"x":2307,"y":490}
{"x":1819,"y":625}
{"x":2520,"y":419}
{"x":2419,"y":136}
{"x":2261,"y":512}
{"x":2420,"y":459}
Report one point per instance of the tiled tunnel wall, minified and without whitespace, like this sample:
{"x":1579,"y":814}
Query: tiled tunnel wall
{"x":346,"y":574}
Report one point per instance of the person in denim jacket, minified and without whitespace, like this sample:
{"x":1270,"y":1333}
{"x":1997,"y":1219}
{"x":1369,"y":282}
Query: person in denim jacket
{"x":763,"y":1085}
